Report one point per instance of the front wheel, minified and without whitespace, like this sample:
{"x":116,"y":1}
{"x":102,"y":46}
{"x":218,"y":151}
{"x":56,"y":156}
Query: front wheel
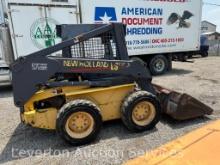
{"x":158,"y":64}
{"x":140,"y":111}
{"x":79,"y":122}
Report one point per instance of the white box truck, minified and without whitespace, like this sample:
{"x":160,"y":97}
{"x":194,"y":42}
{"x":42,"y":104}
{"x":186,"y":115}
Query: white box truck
{"x":158,"y":31}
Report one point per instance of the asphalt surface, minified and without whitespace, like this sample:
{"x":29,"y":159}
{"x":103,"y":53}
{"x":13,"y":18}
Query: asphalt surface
{"x":20,"y":144}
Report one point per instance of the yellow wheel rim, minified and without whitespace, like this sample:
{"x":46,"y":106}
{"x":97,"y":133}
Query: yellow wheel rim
{"x":143,"y":113}
{"x":79,"y":125}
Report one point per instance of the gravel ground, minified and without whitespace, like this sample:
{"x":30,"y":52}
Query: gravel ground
{"x":21,"y":144}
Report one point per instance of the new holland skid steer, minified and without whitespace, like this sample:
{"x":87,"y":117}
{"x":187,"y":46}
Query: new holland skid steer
{"x":90,"y":80}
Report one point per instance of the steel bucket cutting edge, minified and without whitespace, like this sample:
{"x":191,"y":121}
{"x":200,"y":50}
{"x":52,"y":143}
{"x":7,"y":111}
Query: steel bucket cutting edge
{"x":181,"y":106}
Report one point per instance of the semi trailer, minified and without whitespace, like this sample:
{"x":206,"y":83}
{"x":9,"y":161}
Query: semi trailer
{"x":158,"y":31}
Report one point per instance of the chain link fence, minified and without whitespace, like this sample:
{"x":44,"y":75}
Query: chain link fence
{"x":214,"y":47}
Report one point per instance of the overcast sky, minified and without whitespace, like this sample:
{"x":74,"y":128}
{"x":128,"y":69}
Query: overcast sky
{"x":212,"y":13}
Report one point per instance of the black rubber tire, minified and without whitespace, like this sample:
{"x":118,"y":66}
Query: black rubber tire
{"x":154,"y":60}
{"x":140,"y":60}
{"x":190,"y":56}
{"x":76,"y":106}
{"x":204,"y":54}
{"x":128,"y":106}
{"x":182,"y":58}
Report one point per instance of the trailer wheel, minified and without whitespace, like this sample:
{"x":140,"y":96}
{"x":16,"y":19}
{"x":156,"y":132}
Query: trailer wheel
{"x":158,"y":64}
{"x":79,"y":122}
{"x":140,"y":111}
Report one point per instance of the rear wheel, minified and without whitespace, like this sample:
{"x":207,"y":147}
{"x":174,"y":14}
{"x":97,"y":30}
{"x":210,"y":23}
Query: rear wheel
{"x":140,"y":60}
{"x":140,"y":111}
{"x":182,"y":57}
{"x":190,"y":56}
{"x":158,"y":64}
{"x":79,"y":122}
{"x":204,"y":54}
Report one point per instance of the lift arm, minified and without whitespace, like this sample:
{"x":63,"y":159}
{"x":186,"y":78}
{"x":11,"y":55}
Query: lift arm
{"x":91,"y":55}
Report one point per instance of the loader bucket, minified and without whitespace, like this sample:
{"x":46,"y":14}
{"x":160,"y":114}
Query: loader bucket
{"x":181,"y":106}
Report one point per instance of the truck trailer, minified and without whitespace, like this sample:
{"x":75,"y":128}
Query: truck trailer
{"x":158,"y":31}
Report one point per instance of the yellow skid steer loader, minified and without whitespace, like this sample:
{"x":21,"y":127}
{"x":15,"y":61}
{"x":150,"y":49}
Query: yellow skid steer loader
{"x":87,"y":79}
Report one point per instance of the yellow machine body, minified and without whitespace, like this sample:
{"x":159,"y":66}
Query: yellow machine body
{"x":108,"y":99}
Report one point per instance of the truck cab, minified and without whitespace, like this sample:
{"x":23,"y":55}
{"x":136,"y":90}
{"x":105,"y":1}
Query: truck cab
{"x":204,"y":46}
{"x":5,"y":49}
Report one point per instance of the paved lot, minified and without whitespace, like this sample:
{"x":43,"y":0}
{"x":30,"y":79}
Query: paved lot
{"x":21,"y":144}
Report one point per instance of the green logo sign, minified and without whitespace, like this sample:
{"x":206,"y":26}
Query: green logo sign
{"x":43,"y":33}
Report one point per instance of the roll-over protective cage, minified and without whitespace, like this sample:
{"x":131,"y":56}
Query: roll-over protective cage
{"x":98,"y":53}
